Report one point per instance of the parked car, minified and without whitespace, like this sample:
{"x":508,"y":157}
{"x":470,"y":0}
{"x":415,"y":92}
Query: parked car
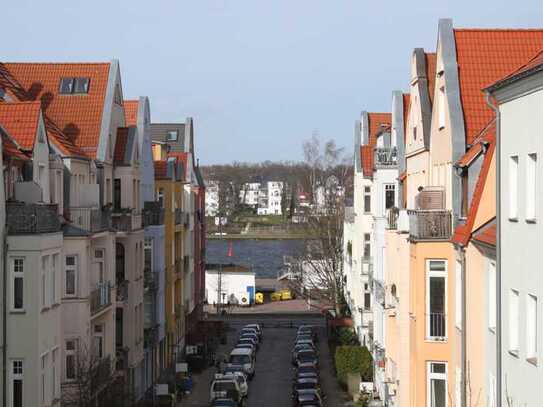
{"x":245,"y":358}
{"x":306,"y":375}
{"x":246,"y":339}
{"x":240,"y":378}
{"x":298,"y":348}
{"x":309,"y":329}
{"x":232,"y":369}
{"x":247,"y":330}
{"x":307,"y":357}
{"x":309,"y":341}
{"x":224,"y":403}
{"x":252,"y":337}
{"x":246,"y":345}
{"x":307,"y":399}
{"x":306,"y":368}
{"x":225,"y":387}
{"x":258,"y":329}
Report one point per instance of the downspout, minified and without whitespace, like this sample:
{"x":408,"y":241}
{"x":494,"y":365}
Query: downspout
{"x":464,"y":350}
{"x":4,"y":323}
{"x":490,"y":102}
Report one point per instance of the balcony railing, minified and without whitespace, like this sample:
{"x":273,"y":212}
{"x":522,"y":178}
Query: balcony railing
{"x":121,"y":356}
{"x":100,"y":297}
{"x":178,"y":216}
{"x":22,"y":218}
{"x":386,"y":156}
{"x":430,"y":224}
{"x":91,"y":219}
{"x":436,"y":325}
{"x":122,"y":291}
{"x":379,"y":292}
{"x":392,"y":218}
{"x":126,"y":220}
{"x":153,"y":214}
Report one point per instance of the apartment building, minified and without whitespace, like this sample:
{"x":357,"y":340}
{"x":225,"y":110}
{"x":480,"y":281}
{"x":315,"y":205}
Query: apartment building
{"x":249,"y":193}
{"x":212,"y":198}
{"x":270,"y":197}
{"x":517,"y":98}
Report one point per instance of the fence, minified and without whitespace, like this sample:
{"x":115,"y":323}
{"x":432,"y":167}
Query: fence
{"x":430,"y":224}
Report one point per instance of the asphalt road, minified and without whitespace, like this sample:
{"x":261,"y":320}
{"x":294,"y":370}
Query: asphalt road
{"x":271,"y":386}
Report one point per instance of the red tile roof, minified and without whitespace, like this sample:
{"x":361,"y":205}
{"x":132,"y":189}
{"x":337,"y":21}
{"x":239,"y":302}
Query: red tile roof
{"x":78,"y":117}
{"x":463,"y":232}
{"x":535,"y":62}
{"x":131,"y":112}
{"x":120,"y":144}
{"x":367,"y":157}
{"x":20,"y":120}
{"x":11,"y":151}
{"x":483,"y":57}
{"x":431,"y":59}
{"x":376,"y":122}
{"x":486,"y":234}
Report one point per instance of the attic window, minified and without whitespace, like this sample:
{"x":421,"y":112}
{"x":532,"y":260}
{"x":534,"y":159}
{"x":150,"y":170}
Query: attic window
{"x":172,"y":135}
{"x":70,"y":86}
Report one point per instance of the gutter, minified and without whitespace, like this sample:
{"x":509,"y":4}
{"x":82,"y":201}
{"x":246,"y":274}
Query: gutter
{"x":490,"y":102}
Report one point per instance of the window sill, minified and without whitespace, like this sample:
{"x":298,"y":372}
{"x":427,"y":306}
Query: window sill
{"x":437,"y":340}
{"x":513,"y":219}
{"x":531,"y":220}
{"x":532,"y":361}
{"x":17,"y":311}
{"x":513,"y":353}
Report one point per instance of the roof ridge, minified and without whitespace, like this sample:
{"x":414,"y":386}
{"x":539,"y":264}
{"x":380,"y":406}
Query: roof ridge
{"x":497,"y":29}
{"x":55,"y":63}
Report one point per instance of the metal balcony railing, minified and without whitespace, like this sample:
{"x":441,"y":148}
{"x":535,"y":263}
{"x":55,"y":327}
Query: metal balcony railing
{"x":436,"y":325}
{"x":430,"y":224}
{"x":122,"y":291}
{"x":153,"y":214}
{"x":126,"y":221}
{"x":22,"y":218}
{"x":386,"y":156}
{"x":90,"y":219}
{"x":178,"y":214}
{"x":100,"y":297}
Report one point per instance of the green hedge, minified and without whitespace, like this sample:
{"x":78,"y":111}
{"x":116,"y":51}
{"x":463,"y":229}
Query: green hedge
{"x":353,"y":359}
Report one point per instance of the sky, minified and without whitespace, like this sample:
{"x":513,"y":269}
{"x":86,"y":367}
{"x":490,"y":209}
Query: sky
{"x":258,"y":76}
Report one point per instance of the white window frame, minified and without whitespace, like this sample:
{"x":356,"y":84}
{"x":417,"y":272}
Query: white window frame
{"x":367,"y":194}
{"x":73,"y":268}
{"x":513,"y":186}
{"x":73,"y":353}
{"x":531,"y":187}
{"x":531,"y":328}
{"x":43,"y":379}
{"x":386,"y":188}
{"x":492,"y":303}
{"x":367,"y":243}
{"x":98,"y":340}
{"x":13,"y":375}
{"x":514,"y":325}
{"x":55,"y":382}
{"x":429,"y":274}
{"x":16,"y":275}
{"x":53,"y":280}
{"x":435,"y":376}
{"x":100,"y":264}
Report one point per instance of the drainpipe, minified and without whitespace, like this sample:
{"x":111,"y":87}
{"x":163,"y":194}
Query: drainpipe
{"x":4,"y":324}
{"x":464,"y":397}
{"x":490,"y":102}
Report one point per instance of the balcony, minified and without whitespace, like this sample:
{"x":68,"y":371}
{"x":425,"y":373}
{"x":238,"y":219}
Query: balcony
{"x":122,"y":291}
{"x":100,"y":297}
{"x":385,"y":157}
{"x":126,"y":220}
{"x":179,"y":216}
{"x":379,"y":292}
{"x":91,"y":219}
{"x":153,"y":214}
{"x":430,"y":224}
{"x":25,"y":218}
{"x":150,"y":280}
{"x":436,"y":326}
{"x":392,"y":215}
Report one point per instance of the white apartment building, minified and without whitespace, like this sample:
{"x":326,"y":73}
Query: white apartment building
{"x":249,"y":194}
{"x":270,"y":198}
{"x":519,"y":100}
{"x":212,"y":198}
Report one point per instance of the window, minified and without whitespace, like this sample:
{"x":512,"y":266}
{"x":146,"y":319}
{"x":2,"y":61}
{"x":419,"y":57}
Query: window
{"x":43,"y":379}
{"x":531,"y":189}
{"x":54,"y":372}
{"x":53,"y":280}
{"x":160,"y":197}
{"x":464,"y":205}
{"x":513,"y":322}
{"x":81,"y":85}
{"x":441,"y":108}
{"x":513,"y":187}
{"x":44,"y":265}
{"x":71,"y":346}
{"x":172,"y":135}
{"x":18,"y":284}
{"x":390,"y":196}
{"x":367,"y":301}
{"x":492,"y":295}
{"x":148,"y":253}
{"x":70,"y":276}
{"x":72,"y":85}
{"x":436,"y":297}
{"x":98,"y":341}
{"x":367,"y":245}
{"x":531,"y":328}
{"x":99,"y":264}
{"x":16,"y":383}
{"x":367,"y":199}
{"x":458,"y":288}
{"x":436,"y":384}
{"x":66,"y":86}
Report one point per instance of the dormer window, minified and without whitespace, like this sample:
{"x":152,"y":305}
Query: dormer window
{"x":172,"y":135}
{"x":74,"y":86}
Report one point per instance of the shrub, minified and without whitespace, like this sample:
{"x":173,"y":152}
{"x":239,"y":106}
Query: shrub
{"x":346,"y":336}
{"x":353,"y":359}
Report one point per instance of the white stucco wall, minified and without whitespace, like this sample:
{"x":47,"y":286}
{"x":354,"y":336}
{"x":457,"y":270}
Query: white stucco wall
{"x":233,"y":283}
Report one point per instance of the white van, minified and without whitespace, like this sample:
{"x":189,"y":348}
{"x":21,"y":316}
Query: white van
{"x":245,"y":358}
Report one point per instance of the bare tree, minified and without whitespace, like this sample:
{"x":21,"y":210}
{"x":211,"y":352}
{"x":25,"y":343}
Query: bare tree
{"x":94,"y":382}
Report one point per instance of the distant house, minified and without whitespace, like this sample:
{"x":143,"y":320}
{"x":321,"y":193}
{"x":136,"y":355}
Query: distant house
{"x":235,"y":283}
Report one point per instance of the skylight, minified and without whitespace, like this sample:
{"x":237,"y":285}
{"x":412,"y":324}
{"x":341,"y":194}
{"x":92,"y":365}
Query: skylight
{"x":74,"y":86}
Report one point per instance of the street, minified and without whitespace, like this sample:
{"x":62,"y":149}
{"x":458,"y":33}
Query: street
{"x":271,"y":386}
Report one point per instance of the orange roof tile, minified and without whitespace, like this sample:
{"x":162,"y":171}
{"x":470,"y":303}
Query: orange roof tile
{"x":367,"y":156}
{"x":11,"y":151}
{"x":120,"y":144}
{"x":431,"y":59}
{"x":486,"y":234}
{"x":20,"y":120}
{"x":483,"y":57}
{"x":376,"y":122}
{"x":131,"y":112}
{"x":535,"y":62}
{"x":78,"y":117}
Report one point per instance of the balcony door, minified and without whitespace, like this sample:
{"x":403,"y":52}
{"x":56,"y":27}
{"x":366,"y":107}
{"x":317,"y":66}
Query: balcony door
{"x":436,"y":299}
{"x":390,"y":196}
{"x":436,"y":384}
{"x":117,"y":194}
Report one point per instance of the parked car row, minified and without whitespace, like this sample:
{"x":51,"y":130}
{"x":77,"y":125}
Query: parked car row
{"x":306,"y":388}
{"x":230,"y":388}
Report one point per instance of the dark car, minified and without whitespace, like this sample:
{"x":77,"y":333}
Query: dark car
{"x":224,"y":403}
{"x":304,"y":368}
{"x":307,"y":383}
{"x":307,"y":357}
{"x":251,"y":337}
{"x":308,"y":330}
{"x":307,"y":398}
{"x":306,"y":375}
{"x":249,"y":341}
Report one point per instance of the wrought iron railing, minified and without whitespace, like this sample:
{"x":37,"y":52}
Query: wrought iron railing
{"x":436,"y":325}
{"x":430,"y":224}
{"x":22,"y":218}
{"x":121,"y":356}
{"x":153,"y":214}
{"x":91,"y":219}
{"x":386,"y":156}
{"x":126,"y":221}
{"x":100,"y":297}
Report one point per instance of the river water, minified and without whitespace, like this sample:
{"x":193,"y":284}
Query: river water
{"x":265,"y":257}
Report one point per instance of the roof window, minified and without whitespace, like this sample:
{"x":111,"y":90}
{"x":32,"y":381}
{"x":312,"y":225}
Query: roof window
{"x":172,"y":135}
{"x":71,"y":86}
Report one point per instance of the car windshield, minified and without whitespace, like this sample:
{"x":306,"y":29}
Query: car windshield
{"x":224,"y":386}
{"x":239,"y":359}
{"x":306,"y":369}
{"x":305,"y":385}
{"x":306,"y":356}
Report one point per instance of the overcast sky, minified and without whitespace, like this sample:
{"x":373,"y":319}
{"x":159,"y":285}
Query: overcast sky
{"x":258,"y":77}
